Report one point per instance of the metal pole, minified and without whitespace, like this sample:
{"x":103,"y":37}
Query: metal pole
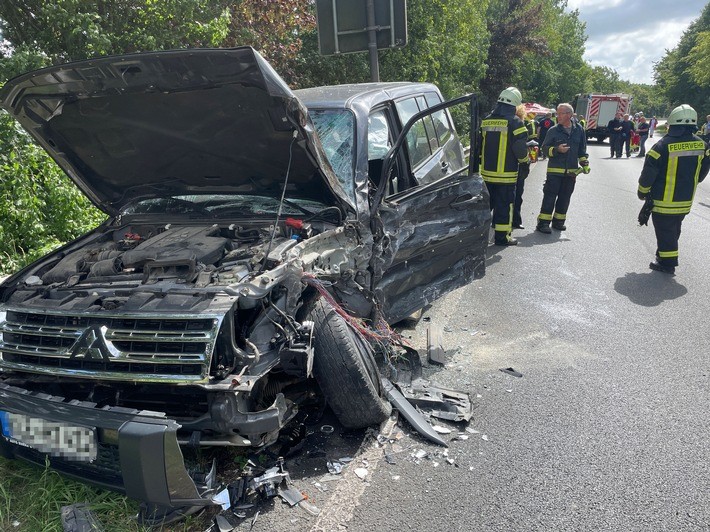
{"x":372,"y":41}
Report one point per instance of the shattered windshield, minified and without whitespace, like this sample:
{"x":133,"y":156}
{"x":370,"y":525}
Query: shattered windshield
{"x":218,"y":205}
{"x":336,"y":129}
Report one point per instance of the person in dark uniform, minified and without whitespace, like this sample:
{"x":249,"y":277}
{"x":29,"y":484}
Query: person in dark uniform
{"x":670,"y":174}
{"x":627,"y":130}
{"x":566,"y":146}
{"x":615,"y":140}
{"x":503,"y":149}
{"x":642,"y":129}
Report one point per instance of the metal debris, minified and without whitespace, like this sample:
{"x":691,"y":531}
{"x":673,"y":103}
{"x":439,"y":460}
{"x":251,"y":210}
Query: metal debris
{"x":77,"y":518}
{"x":327,"y":429}
{"x":511,"y":371}
{"x":410,"y":413}
{"x":291,"y":495}
{"x":436,"y":354}
{"x":223,"y":525}
{"x":334,"y":467}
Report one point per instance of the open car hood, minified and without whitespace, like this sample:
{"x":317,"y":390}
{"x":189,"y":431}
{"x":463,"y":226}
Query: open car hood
{"x":198,"y":121}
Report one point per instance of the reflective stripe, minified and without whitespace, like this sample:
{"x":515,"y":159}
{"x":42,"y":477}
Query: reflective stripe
{"x":672,"y":204}
{"x":503,"y":129}
{"x":502,"y":147}
{"x":697,"y":153}
{"x":671,"y":210}
{"x":668,"y":254}
{"x":500,"y":180}
{"x":671,"y":173}
{"x":524,"y":159}
{"x":520,"y":130}
{"x":545,"y":217}
{"x":550,"y":151}
{"x":653,"y":154}
{"x":555,"y":170}
{"x":644,"y":190}
{"x":559,"y":216}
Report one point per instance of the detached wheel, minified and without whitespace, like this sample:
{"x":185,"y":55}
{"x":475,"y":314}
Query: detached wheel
{"x":346,"y":371}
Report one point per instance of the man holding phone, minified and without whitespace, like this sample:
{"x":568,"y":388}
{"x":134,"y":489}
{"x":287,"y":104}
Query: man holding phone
{"x":566,"y":147}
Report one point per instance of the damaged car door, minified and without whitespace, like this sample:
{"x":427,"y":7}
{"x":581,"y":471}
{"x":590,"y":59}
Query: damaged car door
{"x":432,"y":212}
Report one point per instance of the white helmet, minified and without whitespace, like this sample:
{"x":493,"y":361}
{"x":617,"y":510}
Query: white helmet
{"x":511,"y":96}
{"x":683,"y":115}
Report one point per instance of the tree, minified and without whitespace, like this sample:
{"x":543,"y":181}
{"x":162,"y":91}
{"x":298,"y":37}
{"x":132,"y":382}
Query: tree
{"x":679,"y":73}
{"x":514,"y":27}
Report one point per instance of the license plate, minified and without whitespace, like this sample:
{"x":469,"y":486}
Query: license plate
{"x":62,"y":440}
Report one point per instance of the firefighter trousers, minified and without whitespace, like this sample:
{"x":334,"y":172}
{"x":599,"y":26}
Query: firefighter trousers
{"x":523,"y":172}
{"x":557,"y":192}
{"x":502,"y":198}
{"x":667,"y":227}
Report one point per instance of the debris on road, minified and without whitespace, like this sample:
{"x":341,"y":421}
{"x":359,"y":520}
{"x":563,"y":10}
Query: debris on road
{"x":511,"y":371}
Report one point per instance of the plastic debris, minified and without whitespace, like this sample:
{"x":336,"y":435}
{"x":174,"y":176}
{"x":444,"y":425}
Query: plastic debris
{"x":472,"y":430}
{"x":450,"y":461}
{"x":256,"y":516}
{"x":511,"y":371}
{"x":223,"y":524}
{"x":291,"y":495}
{"x":390,"y":459}
{"x":77,"y":518}
{"x":395,"y":477}
{"x":484,"y":437}
{"x":222,"y":499}
{"x":334,"y":467}
{"x":462,"y":437}
{"x":309,"y":508}
{"x":435,"y":464}
{"x":421,"y":453}
{"x":345,"y":459}
{"x":361,"y":472}
{"x":441,"y":430}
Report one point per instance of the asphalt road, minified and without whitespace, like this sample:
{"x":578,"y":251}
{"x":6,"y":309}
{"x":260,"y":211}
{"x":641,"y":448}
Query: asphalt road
{"x":608,"y":427}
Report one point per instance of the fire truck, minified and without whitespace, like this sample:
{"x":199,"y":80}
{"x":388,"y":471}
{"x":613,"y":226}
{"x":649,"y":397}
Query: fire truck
{"x":599,"y":109}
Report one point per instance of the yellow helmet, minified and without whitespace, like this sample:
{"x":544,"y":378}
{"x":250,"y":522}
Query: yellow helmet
{"x":511,"y":96}
{"x":683,"y":115}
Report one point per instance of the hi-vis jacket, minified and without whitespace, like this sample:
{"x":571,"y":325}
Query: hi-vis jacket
{"x":504,"y":146}
{"x":673,"y":168}
{"x":566,"y":163}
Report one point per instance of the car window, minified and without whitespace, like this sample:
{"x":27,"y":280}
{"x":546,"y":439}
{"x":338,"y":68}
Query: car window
{"x":378,"y":135}
{"x":442,"y":122}
{"x":417,"y":137}
{"x":336,"y":128}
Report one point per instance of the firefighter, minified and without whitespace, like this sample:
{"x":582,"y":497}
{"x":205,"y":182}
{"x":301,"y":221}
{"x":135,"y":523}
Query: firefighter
{"x":503,"y":150}
{"x":566,"y":147}
{"x":671,"y":171}
{"x":523,"y":169}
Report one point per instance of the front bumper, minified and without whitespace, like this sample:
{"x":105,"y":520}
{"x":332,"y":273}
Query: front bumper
{"x":138,"y":453}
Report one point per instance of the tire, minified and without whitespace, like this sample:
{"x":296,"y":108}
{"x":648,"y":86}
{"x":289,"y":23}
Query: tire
{"x":345,"y":369}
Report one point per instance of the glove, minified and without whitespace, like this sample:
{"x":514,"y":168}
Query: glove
{"x":645,"y":212}
{"x":641,"y":195}
{"x":585,"y":166}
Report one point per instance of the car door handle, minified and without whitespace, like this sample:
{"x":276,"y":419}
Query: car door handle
{"x":444,"y":166}
{"x":464,"y":201}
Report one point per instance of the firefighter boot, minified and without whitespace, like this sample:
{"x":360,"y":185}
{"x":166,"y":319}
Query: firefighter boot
{"x":656,"y":267}
{"x":544,"y":227}
{"x":560,"y":226}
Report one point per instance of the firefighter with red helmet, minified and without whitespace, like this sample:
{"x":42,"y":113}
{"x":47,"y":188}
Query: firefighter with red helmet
{"x":671,"y":172}
{"x":503,"y":150}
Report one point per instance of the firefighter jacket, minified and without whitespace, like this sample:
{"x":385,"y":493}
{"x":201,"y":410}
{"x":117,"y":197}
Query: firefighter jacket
{"x":503,"y":145}
{"x":673,"y":168}
{"x":568,"y":163}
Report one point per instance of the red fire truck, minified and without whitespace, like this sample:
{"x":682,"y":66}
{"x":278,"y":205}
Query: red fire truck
{"x":598,"y":109}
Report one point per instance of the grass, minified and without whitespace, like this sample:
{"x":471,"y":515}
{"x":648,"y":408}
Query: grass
{"x":31,"y":499}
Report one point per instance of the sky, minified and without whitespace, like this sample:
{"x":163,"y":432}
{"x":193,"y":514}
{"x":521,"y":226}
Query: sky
{"x":630,"y":35}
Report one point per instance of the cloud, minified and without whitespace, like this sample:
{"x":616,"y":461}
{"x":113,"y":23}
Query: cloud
{"x":630,"y":35}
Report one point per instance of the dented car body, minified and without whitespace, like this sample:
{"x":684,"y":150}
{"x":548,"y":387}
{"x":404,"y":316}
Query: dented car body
{"x":242,"y":219}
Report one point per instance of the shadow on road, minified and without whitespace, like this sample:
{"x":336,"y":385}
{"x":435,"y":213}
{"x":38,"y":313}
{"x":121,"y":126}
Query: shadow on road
{"x":649,"y":289}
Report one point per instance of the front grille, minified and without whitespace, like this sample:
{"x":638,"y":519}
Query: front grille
{"x":114,"y":345}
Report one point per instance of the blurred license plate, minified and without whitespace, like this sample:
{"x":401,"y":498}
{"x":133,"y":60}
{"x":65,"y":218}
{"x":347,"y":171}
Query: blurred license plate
{"x":62,"y":440}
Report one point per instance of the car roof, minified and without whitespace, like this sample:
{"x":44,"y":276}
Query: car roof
{"x":367,"y":94}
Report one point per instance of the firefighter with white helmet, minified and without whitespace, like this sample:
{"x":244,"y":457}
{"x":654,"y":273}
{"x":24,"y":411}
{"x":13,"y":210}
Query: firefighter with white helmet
{"x":671,"y":171}
{"x":503,"y":150}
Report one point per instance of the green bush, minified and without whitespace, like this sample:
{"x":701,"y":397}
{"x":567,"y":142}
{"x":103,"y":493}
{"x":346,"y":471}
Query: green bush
{"x":40,"y":208}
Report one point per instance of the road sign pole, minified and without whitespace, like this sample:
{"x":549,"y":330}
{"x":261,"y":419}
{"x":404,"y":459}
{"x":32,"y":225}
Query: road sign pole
{"x":372,"y":41}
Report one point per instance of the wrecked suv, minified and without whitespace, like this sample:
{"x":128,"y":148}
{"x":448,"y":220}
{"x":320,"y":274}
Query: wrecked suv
{"x":256,"y":237}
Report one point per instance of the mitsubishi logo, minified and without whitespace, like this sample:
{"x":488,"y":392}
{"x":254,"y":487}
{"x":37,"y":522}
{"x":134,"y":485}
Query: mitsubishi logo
{"x":91,"y":345}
